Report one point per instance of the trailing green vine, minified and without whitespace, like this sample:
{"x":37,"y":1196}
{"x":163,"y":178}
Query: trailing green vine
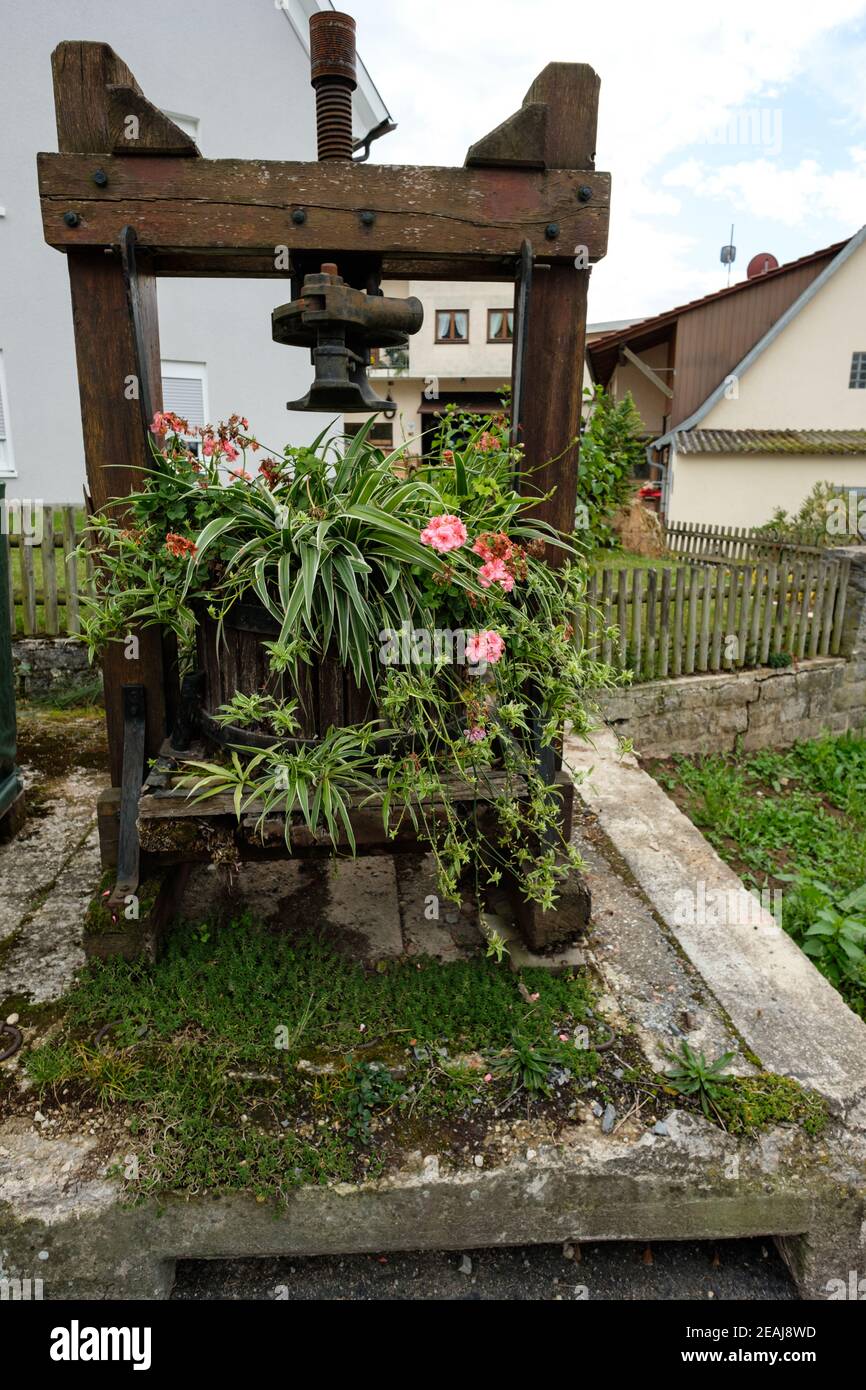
{"x":426,"y":578}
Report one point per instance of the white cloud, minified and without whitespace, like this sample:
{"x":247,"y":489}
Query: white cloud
{"x":794,"y":197}
{"x":670,"y":76}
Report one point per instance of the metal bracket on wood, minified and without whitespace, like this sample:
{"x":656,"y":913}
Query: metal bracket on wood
{"x":128,"y":243}
{"x":523,"y":283}
{"x":128,"y":848}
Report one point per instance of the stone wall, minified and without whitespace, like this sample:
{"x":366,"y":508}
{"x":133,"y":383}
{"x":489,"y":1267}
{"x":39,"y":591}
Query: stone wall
{"x":764,"y":708}
{"x":46,"y":664}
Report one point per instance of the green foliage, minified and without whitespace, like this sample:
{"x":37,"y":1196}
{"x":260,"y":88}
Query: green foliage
{"x":779,"y":661}
{"x":527,"y":1063}
{"x":811,"y":523}
{"x":749,"y":1104}
{"x":611,"y":447}
{"x":830,"y":927}
{"x":693,"y":1075}
{"x":795,"y":817}
{"x":328,"y":539}
{"x":201,"y":1069}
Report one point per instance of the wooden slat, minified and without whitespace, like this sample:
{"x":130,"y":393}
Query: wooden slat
{"x":679,"y":601}
{"x":803,"y":628}
{"x":49,"y":573}
{"x":839,"y":615}
{"x":695,"y":576}
{"x":637,"y":622}
{"x":758,"y":598}
{"x":730,"y":623}
{"x":651,"y":623}
{"x":828,"y":608}
{"x":768,"y":626}
{"x":718,"y":618}
{"x":706,"y":607}
{"x":665,"y":626}
{"x":70,"y":565}
{"x":622,"y":616}
{"x":747,"y":576}
{"x":28,"y":591}
{"x":607,"y":614}
{"x":592,"y":614}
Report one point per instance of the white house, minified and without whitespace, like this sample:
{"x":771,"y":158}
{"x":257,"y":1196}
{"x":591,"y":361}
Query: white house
{"x":235,"y":73}
{"x":790,"y":414}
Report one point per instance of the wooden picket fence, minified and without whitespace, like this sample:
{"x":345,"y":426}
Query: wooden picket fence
{"x":713,"y":544}
{"x":46,"y":581}
{"x":659,"y":623}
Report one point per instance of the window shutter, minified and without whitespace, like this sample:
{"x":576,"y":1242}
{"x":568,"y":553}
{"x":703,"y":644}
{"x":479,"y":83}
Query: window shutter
{"x":183,"y":396}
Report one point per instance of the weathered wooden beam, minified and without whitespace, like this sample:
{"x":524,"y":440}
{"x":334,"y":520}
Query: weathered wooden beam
{"x":557,"y":311}
{"x":254,"y":206}
{"x":136,"y":126}
{"x":518,"y":142}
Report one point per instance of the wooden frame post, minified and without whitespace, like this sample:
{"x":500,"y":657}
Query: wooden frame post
{"x":557,"y":314}
{"x":115,"y":449}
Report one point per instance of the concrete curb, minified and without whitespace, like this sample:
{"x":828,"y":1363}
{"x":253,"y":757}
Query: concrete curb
{"x":786,"y":1012}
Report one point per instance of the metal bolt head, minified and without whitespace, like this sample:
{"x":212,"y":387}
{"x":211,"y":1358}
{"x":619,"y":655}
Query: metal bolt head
{"x":551,"y":231}
{"x":299,"y":217}
{"x":100,"y":178}
{"x":71,"y":219}
{"x":367,"y":218}
{"x":584,"y":193}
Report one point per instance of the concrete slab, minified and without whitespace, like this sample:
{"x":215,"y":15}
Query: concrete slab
{"x":63,"y":1220}
{"x":784,"y":1010}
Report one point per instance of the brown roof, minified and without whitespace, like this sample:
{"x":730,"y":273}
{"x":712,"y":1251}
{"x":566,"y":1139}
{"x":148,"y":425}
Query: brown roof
{"x":771,"y":441}
{"x":643,"y":326}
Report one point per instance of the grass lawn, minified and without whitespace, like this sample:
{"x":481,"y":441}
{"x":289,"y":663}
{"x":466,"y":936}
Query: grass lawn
{"x":794,"y":821}
{"x":625,"y":560}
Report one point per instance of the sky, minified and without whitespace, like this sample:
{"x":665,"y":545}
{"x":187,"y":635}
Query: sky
{"x":751,"y":112}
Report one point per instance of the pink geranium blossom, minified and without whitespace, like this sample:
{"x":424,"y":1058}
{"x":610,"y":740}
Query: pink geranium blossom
{"x":230,"y":451}
{"x":476,"y":733}
{"x":444,"y":533}
{"x":484,"y":646}
{"x":496,"y":572}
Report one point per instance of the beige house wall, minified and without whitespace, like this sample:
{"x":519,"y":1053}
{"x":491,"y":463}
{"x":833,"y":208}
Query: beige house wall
{"x":801,"y":380}
{"x":652,"y":404}
{"x":744,"y":490}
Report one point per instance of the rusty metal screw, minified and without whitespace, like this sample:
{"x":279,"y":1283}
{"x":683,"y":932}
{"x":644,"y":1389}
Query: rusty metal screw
{"x":584,"y":193}
{"x":367,"y":218}
{"x":71,"y":219}
{"x":551,"y":231}
{"x":332,"y":73}
{"x":100,"y":178}
{"x":299,"y":217}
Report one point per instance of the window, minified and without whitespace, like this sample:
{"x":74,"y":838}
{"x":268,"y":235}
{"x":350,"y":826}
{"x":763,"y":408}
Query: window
{"x":452,"y":325}
{"x":184,"y":391}
{"x":500,"y":325}
{"x":857,"y":380}
{"x":381,"y":434}
{"x":7,"y":462}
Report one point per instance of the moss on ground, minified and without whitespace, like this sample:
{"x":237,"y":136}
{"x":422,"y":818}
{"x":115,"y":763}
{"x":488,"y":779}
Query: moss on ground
{"x":243,"y":1062}
{"x":101,"y":918}
{"x":752,"y":1103}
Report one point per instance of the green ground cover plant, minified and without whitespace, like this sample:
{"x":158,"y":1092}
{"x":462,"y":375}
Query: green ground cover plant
{"x":793,"y":820}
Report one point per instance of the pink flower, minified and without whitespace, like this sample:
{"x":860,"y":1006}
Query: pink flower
{"x":165,"y":420}
{"x":208,"y":445}
{"x":230,"y":451}
{"x":476,"y":733}
{"x":444,"y":533}
{"x":495,"y":572}
{"x":484,"y":646}
{"x":489,"y":1076}
{"x":240,"y":473}
{"x":488,"y":441}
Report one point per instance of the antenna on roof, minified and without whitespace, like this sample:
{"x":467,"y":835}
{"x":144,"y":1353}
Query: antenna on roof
{"x":728,"y":254}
